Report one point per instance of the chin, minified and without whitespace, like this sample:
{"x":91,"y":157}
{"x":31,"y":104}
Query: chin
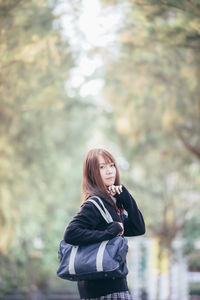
{"x":110,"y":183}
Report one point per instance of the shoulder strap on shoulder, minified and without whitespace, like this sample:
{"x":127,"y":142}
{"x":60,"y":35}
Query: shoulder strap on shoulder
{"x":104,"y":212}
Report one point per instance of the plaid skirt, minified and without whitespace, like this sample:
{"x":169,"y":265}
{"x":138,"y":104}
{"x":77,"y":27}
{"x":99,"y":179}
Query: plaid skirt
{"x":114,"y":296}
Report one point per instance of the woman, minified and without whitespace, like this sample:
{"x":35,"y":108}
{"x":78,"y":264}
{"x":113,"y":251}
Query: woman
{"x":101,"y":178}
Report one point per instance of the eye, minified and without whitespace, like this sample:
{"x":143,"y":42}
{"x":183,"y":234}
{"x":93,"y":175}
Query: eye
{"x":112,"y":165}
{"x":101,"y":167}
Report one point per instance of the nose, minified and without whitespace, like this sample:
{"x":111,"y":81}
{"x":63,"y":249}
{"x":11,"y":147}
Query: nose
{"x":108,"y":170}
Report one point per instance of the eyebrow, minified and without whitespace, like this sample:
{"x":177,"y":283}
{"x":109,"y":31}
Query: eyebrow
{"x":106,"y":164}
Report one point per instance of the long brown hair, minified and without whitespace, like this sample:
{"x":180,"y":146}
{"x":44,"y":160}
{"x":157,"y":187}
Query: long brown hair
{"x":92,"y":183}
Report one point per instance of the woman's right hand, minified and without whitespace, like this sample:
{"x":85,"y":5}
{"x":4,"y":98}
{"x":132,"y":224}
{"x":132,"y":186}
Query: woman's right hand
{"x":121,"y":224}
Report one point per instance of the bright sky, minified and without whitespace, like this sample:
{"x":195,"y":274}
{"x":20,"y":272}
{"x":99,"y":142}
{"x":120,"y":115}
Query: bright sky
{"x":92,"y":26}
{"x":87,"y":27}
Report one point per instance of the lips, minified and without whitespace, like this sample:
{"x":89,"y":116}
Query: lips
{"x":109,"y":178}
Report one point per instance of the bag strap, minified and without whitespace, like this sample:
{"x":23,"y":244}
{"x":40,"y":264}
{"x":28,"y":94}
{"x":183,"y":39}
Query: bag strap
{"x":105,"y":214}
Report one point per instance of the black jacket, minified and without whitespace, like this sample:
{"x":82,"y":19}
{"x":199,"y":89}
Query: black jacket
{"x":88,"y":226}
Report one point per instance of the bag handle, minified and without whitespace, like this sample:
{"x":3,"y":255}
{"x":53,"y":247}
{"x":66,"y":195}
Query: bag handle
{"x":105,"y":214}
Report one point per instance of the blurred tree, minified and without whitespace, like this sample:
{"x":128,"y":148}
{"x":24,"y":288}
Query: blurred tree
{"x":42,"y":142}
{"x":152,"y":86}
{"x":159,"y":43}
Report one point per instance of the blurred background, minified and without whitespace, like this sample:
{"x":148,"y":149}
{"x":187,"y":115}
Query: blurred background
{"x":121,"y":75}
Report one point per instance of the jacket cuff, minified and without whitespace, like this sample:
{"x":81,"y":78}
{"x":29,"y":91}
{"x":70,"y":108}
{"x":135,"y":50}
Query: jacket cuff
{"x":114,"y":228}
{"x":123,"y":194}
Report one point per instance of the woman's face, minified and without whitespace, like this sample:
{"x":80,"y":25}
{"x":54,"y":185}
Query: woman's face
{"x":107,"y":171}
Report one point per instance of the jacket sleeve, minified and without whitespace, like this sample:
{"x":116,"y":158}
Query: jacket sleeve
{"x":134,"y":222}
{"x":81,"y":230}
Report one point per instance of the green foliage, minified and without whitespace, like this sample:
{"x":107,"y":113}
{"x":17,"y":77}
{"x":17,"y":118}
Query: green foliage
{"x":152,"y":87}
{"x":191,"y":232}
{"x":42,"y":142}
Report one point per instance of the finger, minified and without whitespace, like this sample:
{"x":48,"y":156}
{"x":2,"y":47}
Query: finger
{"x":111,"y":192}
{"x":118,"y":189}
{"x":113,"y":188}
